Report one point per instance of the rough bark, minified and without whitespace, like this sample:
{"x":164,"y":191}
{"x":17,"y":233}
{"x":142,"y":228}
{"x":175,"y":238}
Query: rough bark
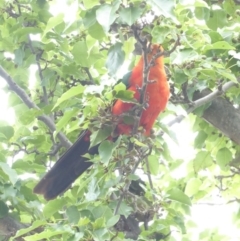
{"x":222,"y":115}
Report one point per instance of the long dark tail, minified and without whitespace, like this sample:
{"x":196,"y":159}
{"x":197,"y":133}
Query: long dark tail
{"x":67,"y":169}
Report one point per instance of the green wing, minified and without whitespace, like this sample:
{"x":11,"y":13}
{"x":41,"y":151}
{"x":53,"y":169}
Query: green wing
{"x":125,"y":79}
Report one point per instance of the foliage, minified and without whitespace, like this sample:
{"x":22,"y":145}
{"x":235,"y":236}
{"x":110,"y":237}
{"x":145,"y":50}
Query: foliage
{"x":68,"y":59}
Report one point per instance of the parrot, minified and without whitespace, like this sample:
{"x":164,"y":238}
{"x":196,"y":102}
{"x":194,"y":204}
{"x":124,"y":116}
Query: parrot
{"x":73,"y":163}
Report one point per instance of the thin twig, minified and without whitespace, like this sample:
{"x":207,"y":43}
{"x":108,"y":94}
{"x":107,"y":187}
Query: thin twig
{"x":149,"y":177}
{"x":89,"y":76}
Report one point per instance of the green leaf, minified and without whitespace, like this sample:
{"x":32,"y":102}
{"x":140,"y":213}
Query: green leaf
{"x":200,"y":139}
{"x":134,"y":140}
{"x":115,"y":58}
{"x":99,"y":234}
{"x":90,"y":18}
{"x":52,"y":207}
{"x":64,"y":120}
{"x":100,"y":135}
{"x":217,"y":19}
{"x":76,"y":237}
{"x":124,"y":209}
{"x":89,"y":4}
{"x":192,"y":186}
{"x":153,"y":162}
{"x":33,"y":226}
{"x":126,"y":96}
{"x":22,"y":33}
{"x":3,"y":209}
{"x":202,"y":160}
{"x":73,"y":214}
{"x":130,"y":15}
{"x":53,"y":22}
{"x":102,"y":211}
{"x":185,"y":55}
{"x":202,"y":13}
{"x":159,"y":33}
{"x":7,"y":131}
{"x":28,"y":116}
{"x":180,"y":77}
{"x":215,"y":36}
{"x":12,"y":174}
{"x":180,"y":222}
{"x":119,"y":87}
{"x":176,"y":194}
{"x":106,"y":15}
{"x":230,"y":7}
{"x":165,"y":8}
{"x":228,"y":75}
{"x":46,"y":235}
{"x":105,"y":151}
{"x":99,"y":223}
{"x":19,"y":55}
{"x":93,"y":190}
{"x":219,"y":45}
{"x":96,"y":31}
{"x":112,"y":221}
{"x":223,"y":157}
{"x":74,"y":91}
{"x":80,"y":53}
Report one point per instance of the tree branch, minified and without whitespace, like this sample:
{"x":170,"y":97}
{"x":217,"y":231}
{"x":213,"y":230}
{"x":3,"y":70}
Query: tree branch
{"x":31,"y":105}
{"x":204,"y":100}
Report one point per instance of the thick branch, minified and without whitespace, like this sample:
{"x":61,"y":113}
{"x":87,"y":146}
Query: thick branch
{"x":31,"y":105}
{"x":204,"y":99}
{"x":222,"y":115}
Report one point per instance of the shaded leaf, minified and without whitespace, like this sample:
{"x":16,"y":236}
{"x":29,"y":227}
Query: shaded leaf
{"x":202,"y":160}
{"x":80,"y":53}
{"x":115,"y":58}
{"x":106,"y":15}
{"x":153,"y":162}
{"x":12,"y":174}
{"x":53,"y":22}
{"x":7,"y":131}
{"x":166,"y":8}
{"x":219,"y":45}
{"x":192,"y":186}
{"x":3,"y":209}
{"x":73,"y":214}
{"x":130,"y":15}
{"x":179,"y":196}
{"x":74,"y":91}
{"x":52,"y":207}
{"x":126,"y":96}
{"x":200,"y":139}
{"x":224,"y":157}
{"x":106,"y":150}
{"x":100,"y":135}
{"x":33,"y":226}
